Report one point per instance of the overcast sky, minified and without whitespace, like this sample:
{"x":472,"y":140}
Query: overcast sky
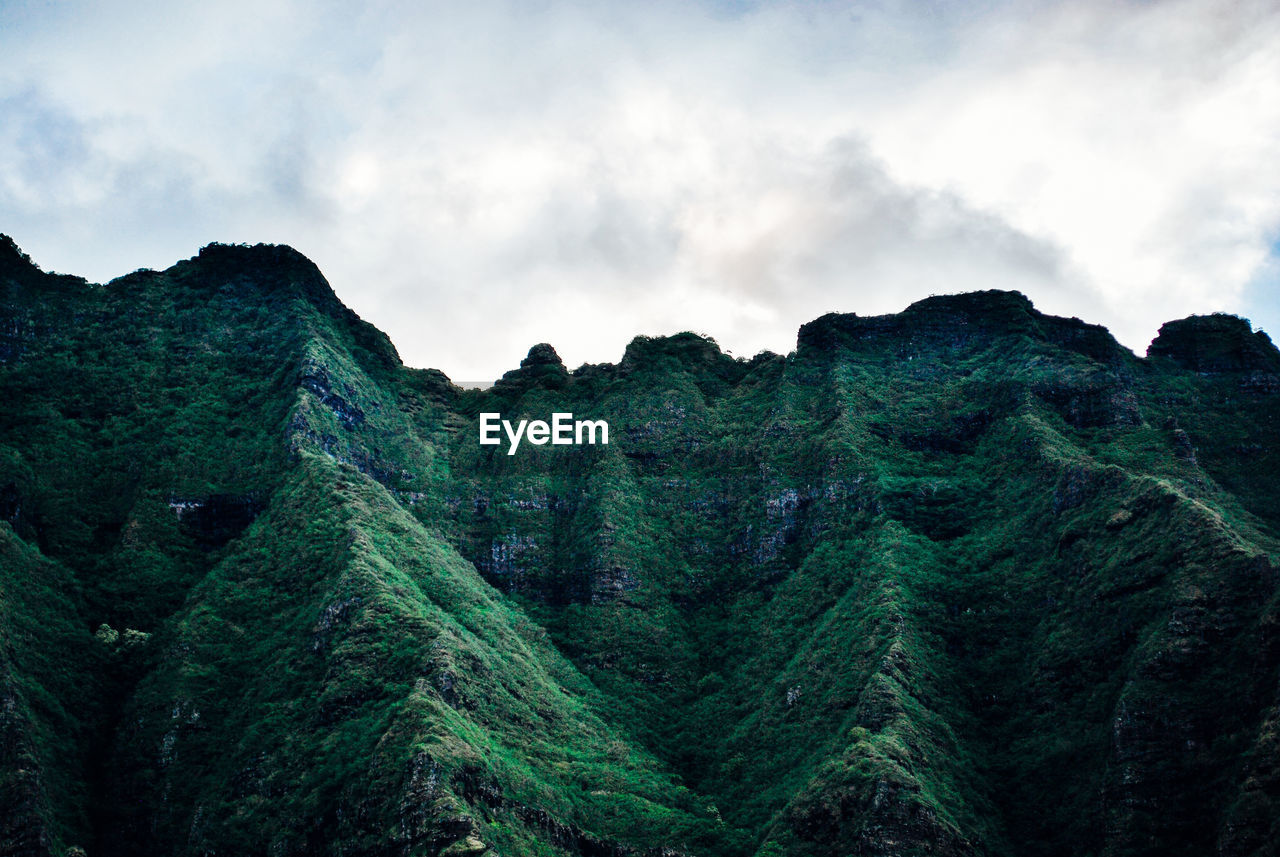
{"x":479,"y":176}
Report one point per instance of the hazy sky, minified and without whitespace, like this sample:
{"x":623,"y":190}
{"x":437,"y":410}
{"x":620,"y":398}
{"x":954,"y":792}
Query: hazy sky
{"x":476,"y":177}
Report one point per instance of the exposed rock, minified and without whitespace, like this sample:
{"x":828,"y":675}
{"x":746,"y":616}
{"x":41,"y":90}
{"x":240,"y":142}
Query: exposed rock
{"x":1182,"y":448}
{"x":1119,"y":518}
{"x":332,"y":617}
{"x":1092,"y":340}
{"x":541,"y":367}
{"x":1102,"y":399}
{"x":880,"y":819}
{"x":612,"y":583}
{"x":469,"y":846}
{"x":949,"y":322}
{"x":13,"y":332}
{"x":1261,"y":383}
{"x":316,"y":381}
{"x":1215,"y":344}
{"x":505,"y":559}
{"x":344,"y":451}
{"x":541,"y":354}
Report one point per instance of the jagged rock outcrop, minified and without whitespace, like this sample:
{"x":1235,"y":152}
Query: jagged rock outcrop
{"x":958,"y":322}
{"x":540,"y":367}
{"x":1214,"y":344}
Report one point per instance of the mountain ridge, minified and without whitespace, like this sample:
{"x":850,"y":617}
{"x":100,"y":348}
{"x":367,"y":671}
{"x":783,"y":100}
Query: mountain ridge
{"x":989,"y":311}
{"x":967,"y":579}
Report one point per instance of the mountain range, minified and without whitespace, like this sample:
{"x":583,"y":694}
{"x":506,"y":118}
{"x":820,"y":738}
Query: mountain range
{"x":965,"y":580}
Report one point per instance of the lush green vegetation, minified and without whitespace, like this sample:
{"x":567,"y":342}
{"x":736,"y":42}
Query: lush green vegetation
{"x":963,"y":580}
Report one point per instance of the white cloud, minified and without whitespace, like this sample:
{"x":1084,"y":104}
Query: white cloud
{"x":475,"y":178}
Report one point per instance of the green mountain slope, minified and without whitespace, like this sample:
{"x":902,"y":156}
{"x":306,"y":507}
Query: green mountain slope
{"x":964,"y":580}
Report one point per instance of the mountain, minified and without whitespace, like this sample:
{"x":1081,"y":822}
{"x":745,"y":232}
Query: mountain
{"x":964,"y":580}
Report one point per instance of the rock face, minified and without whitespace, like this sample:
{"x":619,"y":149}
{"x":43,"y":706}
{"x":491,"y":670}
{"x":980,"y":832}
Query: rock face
{"x":1215,"y":344}
{"x":958,"y":322}
{"x":541,"y":367}
{"x":964,"y":580}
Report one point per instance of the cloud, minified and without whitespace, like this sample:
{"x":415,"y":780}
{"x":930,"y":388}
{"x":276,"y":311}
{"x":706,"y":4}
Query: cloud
{"x":1135,"y":135}
{"x":477,"y":177}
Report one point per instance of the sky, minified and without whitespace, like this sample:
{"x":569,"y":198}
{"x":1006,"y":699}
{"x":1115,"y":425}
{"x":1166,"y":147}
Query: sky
{"x":476,"y":177}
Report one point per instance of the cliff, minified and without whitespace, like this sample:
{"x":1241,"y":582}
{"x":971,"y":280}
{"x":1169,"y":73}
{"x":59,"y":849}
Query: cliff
{"x":967,"y":580}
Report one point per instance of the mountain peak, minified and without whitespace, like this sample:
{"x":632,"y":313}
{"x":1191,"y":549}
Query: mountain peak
{"x":541,"y":354}
{"x":11,"y":255}
{"x":279,"y":273}
{"x":273,"y":269}
{"x":957,"y":321}
{"x":541,"y":366}
{"x":1215,"y":343}
{"x":991,"y":303}
{"x":19,"y":272}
